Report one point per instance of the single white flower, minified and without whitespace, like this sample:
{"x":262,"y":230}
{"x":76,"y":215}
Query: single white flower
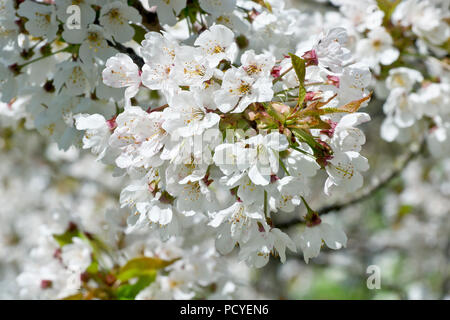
{"x":299,"y":164}
{"x":76,"y":255}
{"x":312,"y":238}
{"x":377,"y":48}
{"x":404,"y":78}
{"x":186,"y":117}
{"x":74,"y":78}
{"x":257,"y":65}
{"x":234,"y":225}
{"x":41,"y":19}
{"x":122,"y":72}
{"x":140,"y":136}
{"x":167,"y":10}
{"x":346,"y":137}
{"x":400,"y":106}
{"x":257,"y":251}
{"x":217,"y":43}
{"x":115,"y":18}
{"x":191,"y":67}
{"x":331,"y":51}
{"x":287,"y":198}
{"x":240,"y":89}
{"x":262,"y":156}
{"x":353,"y":83}
{"x":95,"y":45}
{"x":217,"y":7}
{"x":191,"y":197}
{"x":97,"y":132}
{"x":344,"y":171}
{"x":159,"y":56}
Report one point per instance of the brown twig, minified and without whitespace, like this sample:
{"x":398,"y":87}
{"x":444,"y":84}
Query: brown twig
{"x":368,"y":193}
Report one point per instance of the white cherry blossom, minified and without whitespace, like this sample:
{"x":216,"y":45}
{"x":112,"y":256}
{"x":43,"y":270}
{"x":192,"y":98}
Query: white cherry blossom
{"x":122,"y":72}
{"x":115,"y":18}
{"x":311,"y":239}
{"x":41,"y":19}
{"x":240,"y":89}
{"x":217,"y":44}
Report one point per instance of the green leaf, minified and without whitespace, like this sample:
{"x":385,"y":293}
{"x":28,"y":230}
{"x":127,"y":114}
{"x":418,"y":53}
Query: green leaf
{"x":404,"y":210}
{"x":446,"y":46}
{"x":354,"y":106}
{"x":139,"y":33}
{"x":130,"y":291}
{"x":93,"y":267}
{"x":141,"y":267}
{"x":300,"y":70}
{"x":388,"y":7}
{"x":304,"y":136}
{"x":66,"y":237}
{"x":301,"y":94}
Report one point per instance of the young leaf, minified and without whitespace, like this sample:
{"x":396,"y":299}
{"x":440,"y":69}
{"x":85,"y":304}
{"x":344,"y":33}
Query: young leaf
{"x":139,"y":33}
{"x":66,"y":237}
{"x":130,"y":291}
{"x":93,"y":267}
{"x":300,"y":70}
{"x":353,"y":106}
{"x":388,"y":7}
{"x":142,"y":266}
{"x":304,"y":136}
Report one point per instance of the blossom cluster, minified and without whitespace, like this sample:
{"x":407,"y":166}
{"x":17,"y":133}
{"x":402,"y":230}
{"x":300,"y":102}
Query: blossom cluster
{"x":191,"y":156}
{"x":405,"y":43}
{"x":74,"y":242}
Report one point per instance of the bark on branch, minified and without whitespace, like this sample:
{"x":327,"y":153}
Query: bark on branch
{"x":128,"y":51}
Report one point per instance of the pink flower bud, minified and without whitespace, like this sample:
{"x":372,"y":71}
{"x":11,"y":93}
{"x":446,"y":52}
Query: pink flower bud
{"x":276,"y":71}
{"x":329,"y":132}
{"x":112,"y":123}
{"x":310,"y":95}
{"x":46,"y":284}
{"x":334,"y":80}
{"x":311,"y":58}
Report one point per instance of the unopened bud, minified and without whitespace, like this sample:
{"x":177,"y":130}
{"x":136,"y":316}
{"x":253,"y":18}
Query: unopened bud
{"x":281,"y":108}
{"x":112,"y":123}
{"x":250,"y":115}
{"x":334,"y":80}
{"x":46,"y":284}
{"x":110,"y":279}
{"x":311,"y":58}
{"x":312,"y":217}
{"x":276,"y":71}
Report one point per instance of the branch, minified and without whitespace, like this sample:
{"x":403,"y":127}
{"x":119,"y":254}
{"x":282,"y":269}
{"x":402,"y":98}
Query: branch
{"x":150,"y":22}
{"x":130,"y":52}
{"x":368,"y":193}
